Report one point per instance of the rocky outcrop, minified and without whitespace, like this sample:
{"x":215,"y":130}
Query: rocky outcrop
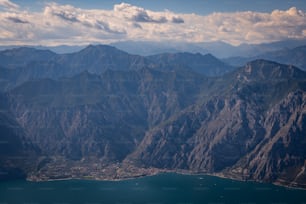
{"x":280,"y":156}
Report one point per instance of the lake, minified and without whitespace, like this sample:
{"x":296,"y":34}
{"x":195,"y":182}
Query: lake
{"x":160,"y":189}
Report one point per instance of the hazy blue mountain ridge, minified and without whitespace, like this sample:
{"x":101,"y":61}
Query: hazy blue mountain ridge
{"x":17,"y":67}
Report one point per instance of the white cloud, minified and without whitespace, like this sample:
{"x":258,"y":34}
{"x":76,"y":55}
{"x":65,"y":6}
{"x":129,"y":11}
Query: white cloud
{"x":79,"y":18}
{"x":7,"y":4}
{"x":66,"y":24}
{"x":137,"y":14}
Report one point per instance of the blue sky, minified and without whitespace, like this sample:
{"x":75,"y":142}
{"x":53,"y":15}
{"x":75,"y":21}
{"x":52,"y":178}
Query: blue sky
{"x":75,"y":22}
{"x":202,"y":7}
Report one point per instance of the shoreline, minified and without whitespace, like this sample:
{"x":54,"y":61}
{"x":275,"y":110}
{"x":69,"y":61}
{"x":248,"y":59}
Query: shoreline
{"x":218,"y":175}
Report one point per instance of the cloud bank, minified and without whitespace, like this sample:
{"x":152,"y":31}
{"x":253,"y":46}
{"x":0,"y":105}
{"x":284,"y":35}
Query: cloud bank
{"x":65,"y":24}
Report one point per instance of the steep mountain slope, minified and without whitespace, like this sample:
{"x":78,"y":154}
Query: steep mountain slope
{"x":102,"y":117}
{"x":218,"y":134}
{"x":16,"y":152}
{"x":280,"y":156}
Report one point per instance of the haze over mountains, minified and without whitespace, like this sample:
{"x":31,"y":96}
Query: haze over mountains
{"x":106,"y":114}
{"x":219,"y":49}
{"x":295,"y":56}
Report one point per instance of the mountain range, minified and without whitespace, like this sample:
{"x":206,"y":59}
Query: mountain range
{"x":217,"y":48}
{"x":103,"y":113}
{"x":19,"y":65}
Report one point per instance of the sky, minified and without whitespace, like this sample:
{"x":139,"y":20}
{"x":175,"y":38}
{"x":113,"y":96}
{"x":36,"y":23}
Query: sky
{"x":79,"y":22}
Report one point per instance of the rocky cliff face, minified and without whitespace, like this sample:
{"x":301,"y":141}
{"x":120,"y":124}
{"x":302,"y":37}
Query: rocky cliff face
{"x":280,"y":155}
{"x":16,"y":152}
{"x":247,"y":124}
{"x":102,"y":116}
{"x":242,"y":134}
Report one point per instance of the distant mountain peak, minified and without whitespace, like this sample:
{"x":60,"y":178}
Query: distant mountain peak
{"x":101,"y":48}
{"x":267,"y":70}
{"x":206,"y":64}
{"x":21,"y":56}
{"x":26,"y":50}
